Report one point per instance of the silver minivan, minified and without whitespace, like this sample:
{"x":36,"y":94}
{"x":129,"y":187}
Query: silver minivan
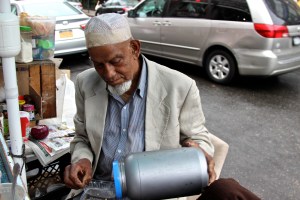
{"x":227,"y":37}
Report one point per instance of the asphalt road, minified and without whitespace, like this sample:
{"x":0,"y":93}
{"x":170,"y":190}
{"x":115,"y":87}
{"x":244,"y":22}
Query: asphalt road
{"x":259,"y":118}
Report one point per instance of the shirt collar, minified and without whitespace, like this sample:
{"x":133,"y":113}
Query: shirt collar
{"x":141,"y":89}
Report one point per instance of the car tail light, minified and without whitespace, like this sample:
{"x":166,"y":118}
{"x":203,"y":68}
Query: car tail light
{"x":271,"y":31}
{"x":82,"y":26}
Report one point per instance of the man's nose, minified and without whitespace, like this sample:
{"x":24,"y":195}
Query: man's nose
{"x":109,"y":72}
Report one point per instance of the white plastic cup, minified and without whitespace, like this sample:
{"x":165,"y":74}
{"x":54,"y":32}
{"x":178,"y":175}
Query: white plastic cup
{"x":98,"y":189}
{"x":5,"y":191}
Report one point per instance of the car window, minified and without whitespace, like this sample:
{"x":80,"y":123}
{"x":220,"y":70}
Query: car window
{"x":114,"y":3}
{"x":230,"y":11}
{"x":189,"y":9}
{"x":132,"y":2}
{"x":121,"y":2}
{"x":55,"y":9}
{"x":151,"y":8}
{"x":284,"y":12}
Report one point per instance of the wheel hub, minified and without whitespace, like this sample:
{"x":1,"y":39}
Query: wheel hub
{"x":218,"y":67}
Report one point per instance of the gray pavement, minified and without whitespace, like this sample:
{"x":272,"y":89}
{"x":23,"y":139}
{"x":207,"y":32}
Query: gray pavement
{"x":90,"y":12}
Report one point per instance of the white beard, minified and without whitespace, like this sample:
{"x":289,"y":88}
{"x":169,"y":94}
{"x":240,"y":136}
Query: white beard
{"x":120,"y":89}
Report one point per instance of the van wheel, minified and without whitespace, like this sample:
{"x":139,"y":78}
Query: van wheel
{"x":220,"y":67}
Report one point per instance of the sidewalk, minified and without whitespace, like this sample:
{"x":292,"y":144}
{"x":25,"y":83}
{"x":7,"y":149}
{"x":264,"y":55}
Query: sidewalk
{"x":90,"y":12}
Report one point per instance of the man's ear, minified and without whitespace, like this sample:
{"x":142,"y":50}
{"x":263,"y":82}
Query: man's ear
{"x":135,"y":46}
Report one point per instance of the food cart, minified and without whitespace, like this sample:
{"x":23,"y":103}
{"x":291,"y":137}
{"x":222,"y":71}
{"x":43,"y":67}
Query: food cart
{"x":36,"y":78}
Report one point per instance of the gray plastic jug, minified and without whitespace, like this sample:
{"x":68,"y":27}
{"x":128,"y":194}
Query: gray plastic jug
{"x":161,"y":174}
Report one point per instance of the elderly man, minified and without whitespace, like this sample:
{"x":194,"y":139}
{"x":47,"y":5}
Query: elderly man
{"x":128,"y":103}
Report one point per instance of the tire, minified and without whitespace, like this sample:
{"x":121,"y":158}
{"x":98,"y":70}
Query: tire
{"x":220,"y":67}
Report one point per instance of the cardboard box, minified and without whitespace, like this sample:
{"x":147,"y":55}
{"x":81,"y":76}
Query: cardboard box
{"x":38,"y":79}
{"x":60,"y":72}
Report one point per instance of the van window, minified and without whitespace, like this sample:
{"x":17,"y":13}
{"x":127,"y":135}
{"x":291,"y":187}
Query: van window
{"x":230,"y":11}
{"x":284,"y":12}
{"x":151,"y":8}
{"x":188,"y":8}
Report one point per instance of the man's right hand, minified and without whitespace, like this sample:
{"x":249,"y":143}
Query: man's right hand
{"x":79,"y":174}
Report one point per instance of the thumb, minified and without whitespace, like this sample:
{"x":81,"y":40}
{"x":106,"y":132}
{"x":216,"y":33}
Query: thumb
{"x":86,"y":178}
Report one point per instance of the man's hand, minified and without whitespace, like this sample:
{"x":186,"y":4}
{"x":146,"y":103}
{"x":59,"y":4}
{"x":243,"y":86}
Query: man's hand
{"x":79,"y":174}
{"x":210,"y":161}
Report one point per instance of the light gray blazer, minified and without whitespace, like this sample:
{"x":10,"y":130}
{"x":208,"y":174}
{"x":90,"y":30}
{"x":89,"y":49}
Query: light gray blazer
{"x":173,"y":113}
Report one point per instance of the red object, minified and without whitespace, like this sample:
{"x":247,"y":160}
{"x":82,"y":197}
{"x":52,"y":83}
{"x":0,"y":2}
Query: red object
{"x":21,"y":97}
{"x":30,"y":109}
{"x":271,"y":31}
{"x":25,"y":123}
{"x":82,"y":26}
{"x":39,"y":132}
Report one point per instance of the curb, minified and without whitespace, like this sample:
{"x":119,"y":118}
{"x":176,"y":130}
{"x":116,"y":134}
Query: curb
{"x":90,"y":13}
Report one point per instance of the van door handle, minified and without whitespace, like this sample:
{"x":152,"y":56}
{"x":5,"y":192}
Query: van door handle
{"x":156,"y":23}
{"x":166,"y":23}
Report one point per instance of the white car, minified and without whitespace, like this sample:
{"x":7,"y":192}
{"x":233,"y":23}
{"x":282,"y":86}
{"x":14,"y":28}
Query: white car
{"x":76,"y":3}
{"x":116,"y":6}
{"x":70,"y":23}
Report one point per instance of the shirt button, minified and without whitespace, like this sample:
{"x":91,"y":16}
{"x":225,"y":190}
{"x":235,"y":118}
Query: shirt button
{"x":125,"y":108}
{"x":124,"y":129}
{"x":119,"y":151}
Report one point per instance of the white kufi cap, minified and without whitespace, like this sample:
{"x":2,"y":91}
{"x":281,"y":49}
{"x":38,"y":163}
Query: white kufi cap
{"x":105,"y":29}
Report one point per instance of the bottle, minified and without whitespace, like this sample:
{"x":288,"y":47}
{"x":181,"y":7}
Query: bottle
{"x":30,"y":109}
{"x":161,"y":174}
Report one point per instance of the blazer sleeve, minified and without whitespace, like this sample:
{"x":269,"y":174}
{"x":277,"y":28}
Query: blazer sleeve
{"x":192,"y":120}
{"x":80,"y":146}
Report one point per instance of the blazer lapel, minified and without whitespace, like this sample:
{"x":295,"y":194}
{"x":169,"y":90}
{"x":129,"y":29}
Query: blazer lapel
{"x":157,"y":112}
{"x":97,"y":115}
